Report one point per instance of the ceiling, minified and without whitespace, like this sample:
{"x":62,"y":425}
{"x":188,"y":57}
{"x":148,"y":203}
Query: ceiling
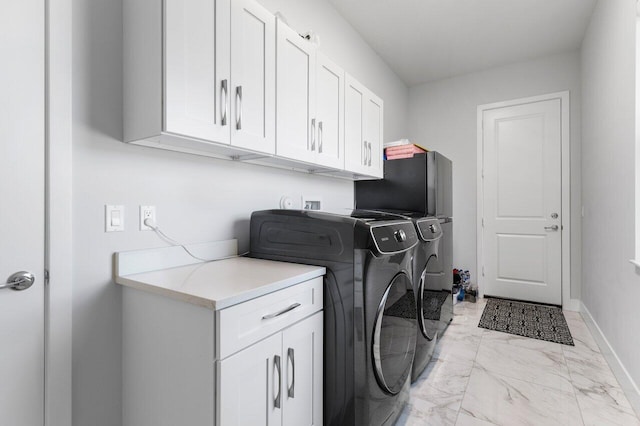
{"x":426,"y":40}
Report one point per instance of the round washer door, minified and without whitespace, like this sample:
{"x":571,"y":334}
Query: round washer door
{"x":394,"y":339}
{"x":430,"y":298}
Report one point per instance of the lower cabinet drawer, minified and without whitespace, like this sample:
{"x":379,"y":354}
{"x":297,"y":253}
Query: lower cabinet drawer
{"x":246,"y":323}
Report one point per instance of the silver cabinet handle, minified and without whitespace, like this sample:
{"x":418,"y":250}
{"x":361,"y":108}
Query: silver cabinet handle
{"x":313,"y":134}
{"x":19,"y":281}
{"x":283,"y":311}
{"x":320,"y":137}
{"x":278,"y":398}
{"x":365,"y":153}
{"x":239,"y":107}
{"x":551,"y":228}
{"x":291,"y":357}
{"x":369,"y":154}
{"x":224,"y":101}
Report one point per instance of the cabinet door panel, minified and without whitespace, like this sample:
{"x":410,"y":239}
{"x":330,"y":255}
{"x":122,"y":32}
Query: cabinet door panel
{"x":373,"y":134}
{"x":330,"y":113}
{"x":248,"y":383}
{"x":302,"y":385}
{"x":196,"y":64}
{"x":253,"y":76}
{"x":295,"y":73}
{"x":353,"y":119}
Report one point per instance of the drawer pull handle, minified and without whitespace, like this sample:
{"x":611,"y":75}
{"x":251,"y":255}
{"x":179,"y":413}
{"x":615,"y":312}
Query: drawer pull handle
{"x":284,"y":311}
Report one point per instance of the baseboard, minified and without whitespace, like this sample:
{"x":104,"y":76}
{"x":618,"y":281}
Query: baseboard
{"x":627,"y":383}
{"x":573,"y":305}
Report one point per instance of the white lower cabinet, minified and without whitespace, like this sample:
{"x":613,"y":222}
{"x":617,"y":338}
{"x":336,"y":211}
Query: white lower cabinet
{"x":258,"y":362}
{"x":277,"y":381}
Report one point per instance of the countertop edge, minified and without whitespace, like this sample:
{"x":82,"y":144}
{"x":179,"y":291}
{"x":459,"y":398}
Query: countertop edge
{"x":225,"y":303}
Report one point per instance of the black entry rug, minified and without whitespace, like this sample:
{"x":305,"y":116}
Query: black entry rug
{"x":540,"y":322}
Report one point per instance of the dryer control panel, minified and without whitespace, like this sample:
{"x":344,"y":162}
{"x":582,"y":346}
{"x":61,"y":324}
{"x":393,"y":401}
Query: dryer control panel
{"x":429,"y":229}
{"x":394,"y":237}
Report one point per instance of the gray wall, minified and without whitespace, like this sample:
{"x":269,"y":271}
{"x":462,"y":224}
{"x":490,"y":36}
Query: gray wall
{"x":197,"y":199}
{"x":443,"y":117}
{"x":610,"y":282}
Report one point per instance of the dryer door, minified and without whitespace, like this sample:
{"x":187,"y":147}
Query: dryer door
{"x":430,"y":298}
{"x":394,"y":340}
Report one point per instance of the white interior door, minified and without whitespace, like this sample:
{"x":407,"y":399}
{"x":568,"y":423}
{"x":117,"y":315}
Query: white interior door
{"x":522,"y":196}
{"x":22,"y":145}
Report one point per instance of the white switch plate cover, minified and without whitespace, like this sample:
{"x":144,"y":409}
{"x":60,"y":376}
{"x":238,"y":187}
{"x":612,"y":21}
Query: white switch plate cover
{"x":111,"y":216}
{"x":147,"y":212}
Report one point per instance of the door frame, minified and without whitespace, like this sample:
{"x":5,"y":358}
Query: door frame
{"x":58,"y":213}
{"x":565,"y":183}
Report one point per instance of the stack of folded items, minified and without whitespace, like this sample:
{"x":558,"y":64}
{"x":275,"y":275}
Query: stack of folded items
{"x":399,"y":150}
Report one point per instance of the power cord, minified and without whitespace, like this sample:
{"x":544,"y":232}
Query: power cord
{"x":149,"y":222}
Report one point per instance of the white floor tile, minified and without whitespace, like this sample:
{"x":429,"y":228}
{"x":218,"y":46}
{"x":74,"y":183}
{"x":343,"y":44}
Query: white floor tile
{"x":481,"y":377}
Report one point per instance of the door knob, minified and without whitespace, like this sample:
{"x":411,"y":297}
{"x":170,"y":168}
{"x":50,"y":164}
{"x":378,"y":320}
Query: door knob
{"x":551,"y":228}
{"x":19,"y":281}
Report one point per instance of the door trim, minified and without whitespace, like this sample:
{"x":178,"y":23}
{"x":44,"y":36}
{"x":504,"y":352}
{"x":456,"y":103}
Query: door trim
{"x":58,"y":213}
{"x":566,"y":187}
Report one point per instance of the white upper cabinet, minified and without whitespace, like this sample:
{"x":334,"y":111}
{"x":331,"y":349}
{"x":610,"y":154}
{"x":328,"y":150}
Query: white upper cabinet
{"x":197,"y":69}
{"x":329,"y":113}
{"x":295,"y":104}
{"x":363,"y":130}
{"x":226,"y":79}
{"x":252,"y":94}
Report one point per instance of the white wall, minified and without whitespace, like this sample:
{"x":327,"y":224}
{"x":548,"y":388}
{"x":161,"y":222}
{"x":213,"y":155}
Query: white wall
{"x":197,"y":199}
{"x":610,"y":283}
{"x":442,"y":117}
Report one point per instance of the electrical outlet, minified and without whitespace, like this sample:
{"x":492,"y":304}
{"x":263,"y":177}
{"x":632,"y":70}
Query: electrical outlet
{"x":311,"y":202}
{"x":147,"y":212}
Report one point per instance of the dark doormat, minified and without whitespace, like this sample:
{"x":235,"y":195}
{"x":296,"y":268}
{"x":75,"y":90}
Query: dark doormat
{"x":526,"y":319}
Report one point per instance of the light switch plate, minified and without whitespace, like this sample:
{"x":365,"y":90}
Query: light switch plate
{"x":113,"y":218}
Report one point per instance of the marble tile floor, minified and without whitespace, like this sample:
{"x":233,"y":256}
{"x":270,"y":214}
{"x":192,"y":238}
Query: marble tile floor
{"x":483,"y":377}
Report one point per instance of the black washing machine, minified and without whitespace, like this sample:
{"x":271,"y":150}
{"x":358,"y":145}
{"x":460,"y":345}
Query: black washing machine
{"x":369,"y":304}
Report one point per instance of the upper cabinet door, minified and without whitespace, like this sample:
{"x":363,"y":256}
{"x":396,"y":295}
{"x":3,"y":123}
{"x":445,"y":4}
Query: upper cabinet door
{"x":372,"y":127}
{"x":295,"y":87}
{"x":355,"y":152}
{"x":197,"y":68}
{"x":329,"y":113}
{"x":252,"y":94}
{"x":363,"y":130}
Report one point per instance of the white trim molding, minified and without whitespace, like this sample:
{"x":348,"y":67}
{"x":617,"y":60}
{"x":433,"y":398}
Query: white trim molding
{"x":567,"y":302}
{"x":628,"y":385}
{"x":58,"y":296}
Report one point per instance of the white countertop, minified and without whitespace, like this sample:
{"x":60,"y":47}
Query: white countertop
{"x":223,"y":283}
